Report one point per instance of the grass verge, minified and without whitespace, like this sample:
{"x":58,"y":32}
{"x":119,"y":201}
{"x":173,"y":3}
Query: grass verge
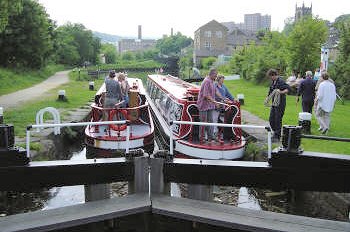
{"x":254,"y":96}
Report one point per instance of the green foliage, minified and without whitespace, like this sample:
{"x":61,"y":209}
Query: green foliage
{"x":304,"y":44}
{"x":186,"y":63}
{"x":128,"y":56}
{"x":110,"y":52}
{"x":128,"y":64}
{"x":9,"y":8}
{"x":208,"y":62}
{"x":341,"y":72}
{"x":253,"y":61}
{"x":26,"y":41}
{"x":171,"y":45}
{"x":76,"y":45}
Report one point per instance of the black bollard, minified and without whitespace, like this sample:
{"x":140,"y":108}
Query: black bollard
{"x":1,"y":115}
{"x":91,"y":85}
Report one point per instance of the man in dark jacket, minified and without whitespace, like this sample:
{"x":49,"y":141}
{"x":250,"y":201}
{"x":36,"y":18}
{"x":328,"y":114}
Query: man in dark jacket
{"x":307,"y":91}
{"x":277,"y":92}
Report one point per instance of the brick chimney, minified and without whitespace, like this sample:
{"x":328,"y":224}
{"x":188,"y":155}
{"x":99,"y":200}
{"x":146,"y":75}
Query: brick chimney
{"x":139,"y":33}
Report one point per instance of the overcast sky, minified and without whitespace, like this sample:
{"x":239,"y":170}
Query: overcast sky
{"x":157,"y":17}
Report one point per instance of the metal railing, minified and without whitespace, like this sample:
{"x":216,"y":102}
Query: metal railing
{"x":267,"y":128}
{"x":58,"y":125}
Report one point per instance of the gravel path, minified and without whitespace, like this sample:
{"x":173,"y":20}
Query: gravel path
{"x":20,"y":97}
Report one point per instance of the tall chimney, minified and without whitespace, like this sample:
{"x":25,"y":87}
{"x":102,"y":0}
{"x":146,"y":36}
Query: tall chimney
{"x":139,"y":33}
{"x":172,"y":32}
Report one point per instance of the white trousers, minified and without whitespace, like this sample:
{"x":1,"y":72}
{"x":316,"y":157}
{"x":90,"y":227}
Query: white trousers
{"x":323,"y":118}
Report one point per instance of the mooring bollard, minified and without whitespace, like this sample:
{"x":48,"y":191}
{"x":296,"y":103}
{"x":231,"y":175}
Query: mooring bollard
{"x":1,"y":115}
{"x":62,"y":95}
{"x":91,"y":85}
{"x":305,"y":122}
{"x":240,"y":98}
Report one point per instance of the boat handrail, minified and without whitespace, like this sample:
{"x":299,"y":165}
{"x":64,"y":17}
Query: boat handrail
{"x":72,"y":124}
{"x":267,"y":128}
{"x":128,"y":108}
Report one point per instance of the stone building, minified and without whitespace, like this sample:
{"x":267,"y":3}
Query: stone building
{"x":138,"y":44}
{"x":302,"y":12}
{"x":214,"y":39}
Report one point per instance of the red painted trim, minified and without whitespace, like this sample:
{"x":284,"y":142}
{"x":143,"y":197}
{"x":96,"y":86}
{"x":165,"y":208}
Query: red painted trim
{"x":214,"y":146}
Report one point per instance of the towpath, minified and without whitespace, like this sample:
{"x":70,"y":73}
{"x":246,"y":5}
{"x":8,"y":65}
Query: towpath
{"x":17,"y":99}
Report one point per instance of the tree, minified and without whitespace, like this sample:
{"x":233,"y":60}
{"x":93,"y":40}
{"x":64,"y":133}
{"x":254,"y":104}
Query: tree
{"x":110,"y":52}
{"x":9,"y":8}
{"x":253,"y":61}
{"x":304,"y":43}
{"x":80,"y":40}
{"x":27,"y":39}
{"x":172,"y":45}
{"x":342,"y":64}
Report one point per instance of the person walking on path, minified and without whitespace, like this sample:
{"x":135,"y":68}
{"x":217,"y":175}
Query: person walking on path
{"x":324,"y":102}
{"x":206,"y":105}
{"x":307,"y":91}
{"x":277,"y":93}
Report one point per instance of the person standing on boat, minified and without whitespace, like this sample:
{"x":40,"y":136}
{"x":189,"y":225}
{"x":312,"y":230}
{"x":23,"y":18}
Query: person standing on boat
{"x":324,"y":102}
{"x":206,"y":105}
{"x":124,"y":88}
{"x":221,"y":95}
{"x":307,"y":90}
{"x":277,"y":93}
{"x":113,"y":91}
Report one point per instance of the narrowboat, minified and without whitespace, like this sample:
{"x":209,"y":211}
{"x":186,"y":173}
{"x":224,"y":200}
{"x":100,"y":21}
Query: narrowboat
{"x":110,"y":140}
{"x":172,"y":99}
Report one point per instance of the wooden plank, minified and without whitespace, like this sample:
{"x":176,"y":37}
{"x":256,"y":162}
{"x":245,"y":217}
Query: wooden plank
{"x":240,"y":218}
{"x":76,"y":215}
{"x":65,"y":172}
{"x":260,"y":174}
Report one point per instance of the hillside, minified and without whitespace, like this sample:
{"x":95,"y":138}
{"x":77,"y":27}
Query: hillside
{"x":107,"y":38}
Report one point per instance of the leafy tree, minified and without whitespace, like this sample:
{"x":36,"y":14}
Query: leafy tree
{"x":27,"y":39}
{"x":304,"y":43}
{"x":171,"y":45}
{"x":110,"y":52}
{"x":208,"y":62}
{"x":66,"y":48}
{"x":9,"y":8}
{"x":185,"y":62}
{"x":83,"y":41}
{"x":341,"y":72}
{"x":253,"y":60}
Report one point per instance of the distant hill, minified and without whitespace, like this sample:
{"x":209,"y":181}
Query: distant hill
{"x":107,"y":38}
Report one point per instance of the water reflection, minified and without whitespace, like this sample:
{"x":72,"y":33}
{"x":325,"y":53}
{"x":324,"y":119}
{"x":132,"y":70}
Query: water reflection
{"x":67,"y":195}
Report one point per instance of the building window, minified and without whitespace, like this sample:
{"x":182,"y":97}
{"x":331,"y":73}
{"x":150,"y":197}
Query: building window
{"x":207,"y":34}
{"x":218,"y":34}
{"x":207,"y":44}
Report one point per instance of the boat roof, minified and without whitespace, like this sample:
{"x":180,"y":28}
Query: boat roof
{"x":173,"y":85}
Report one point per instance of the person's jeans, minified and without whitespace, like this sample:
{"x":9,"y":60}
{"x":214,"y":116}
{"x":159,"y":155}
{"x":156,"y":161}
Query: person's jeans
{"x":206,"y":116}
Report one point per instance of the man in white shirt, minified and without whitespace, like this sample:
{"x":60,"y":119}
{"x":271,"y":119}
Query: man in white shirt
{"x":324,"y":102}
